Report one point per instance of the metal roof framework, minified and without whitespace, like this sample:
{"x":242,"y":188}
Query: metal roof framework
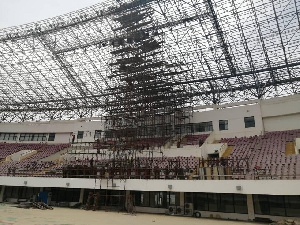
{"x":217,"y":52}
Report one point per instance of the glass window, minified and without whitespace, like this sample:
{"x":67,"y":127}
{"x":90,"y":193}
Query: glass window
{"x":261,"y":204}
{"x":188,"y":197}
{"x":205,"y":126}
{"x":158,"y":199}
{"x":277,"y":207}
{"x":223,"y":124}
{"x":212,"y":199}
{"x":249,"y":121}
{"x":51,"y":137}
{"x":200,"y":201}
{"x":141,"y":198}
{"x":80,"y":134}
{"x":292,"y":205}
{"x":97,"y":134}
{"x":240,"y":203}
{"x":173,"y":198}
{"x":22,"y":137}
{"x":226,"y":203}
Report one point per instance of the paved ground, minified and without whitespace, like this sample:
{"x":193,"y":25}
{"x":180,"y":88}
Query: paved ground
{"x":10,"y":215}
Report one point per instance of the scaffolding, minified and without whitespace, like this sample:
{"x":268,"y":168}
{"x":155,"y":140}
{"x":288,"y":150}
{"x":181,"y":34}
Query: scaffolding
{"x":149,"y":59}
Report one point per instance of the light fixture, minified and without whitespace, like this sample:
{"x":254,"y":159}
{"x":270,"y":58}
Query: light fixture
{"x":239,"y":188}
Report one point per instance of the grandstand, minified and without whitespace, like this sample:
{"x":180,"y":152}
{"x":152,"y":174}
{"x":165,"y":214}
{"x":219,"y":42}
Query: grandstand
{"x":179,"y":107}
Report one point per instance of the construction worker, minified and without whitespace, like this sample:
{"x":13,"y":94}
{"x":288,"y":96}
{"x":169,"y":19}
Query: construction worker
{"x":89,"y":201}
{"x":96,"y":201}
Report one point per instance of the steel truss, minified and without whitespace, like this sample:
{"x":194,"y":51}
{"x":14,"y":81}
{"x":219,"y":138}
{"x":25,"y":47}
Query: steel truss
{"x":189,"y":52}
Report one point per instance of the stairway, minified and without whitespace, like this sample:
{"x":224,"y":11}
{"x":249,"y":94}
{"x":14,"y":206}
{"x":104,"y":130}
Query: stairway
{"x":290,"y":148}
{"x":228,"y":151}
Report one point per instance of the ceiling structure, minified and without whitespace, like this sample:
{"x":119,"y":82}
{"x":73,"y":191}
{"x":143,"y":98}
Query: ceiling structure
{"x":210,"y":51}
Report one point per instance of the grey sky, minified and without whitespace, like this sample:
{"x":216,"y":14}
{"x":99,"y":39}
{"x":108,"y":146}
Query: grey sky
{"x":17,"y":12}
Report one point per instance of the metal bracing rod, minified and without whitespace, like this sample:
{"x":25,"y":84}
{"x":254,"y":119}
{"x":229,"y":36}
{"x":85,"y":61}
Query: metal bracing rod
{"x":246,"y":47}
{"x":67,"y":69}
{"x":14,"y":94}
{"x":248,"y":86}
{"x":265,"y":52}
{"x":62,"y":85}
{"x":220,"y":35}
{"x":180,"y":52}
{"x":30,"y":74}
{"x":46,"y":79}
{"x":273,"y":68}
{"x":297,"y":13}
{"x":16,"y":82}
{"x":87,"y":72}
{"x":60,"y":26}
{"x":109,"y":39}
{"x":183,"y":82}
{"x":281,"y":41}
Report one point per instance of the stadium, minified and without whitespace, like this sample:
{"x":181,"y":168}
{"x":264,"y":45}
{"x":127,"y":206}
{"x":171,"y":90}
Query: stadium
{"x":185,"y":108}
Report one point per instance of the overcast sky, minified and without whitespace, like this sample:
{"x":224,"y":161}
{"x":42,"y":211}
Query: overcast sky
{"x":17,"y":12}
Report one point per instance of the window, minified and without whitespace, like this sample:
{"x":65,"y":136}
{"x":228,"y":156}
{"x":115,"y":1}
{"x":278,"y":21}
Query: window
{"x":261,"y":204}
{"x":276,"y":203}
{"x":80,"y":135}
{"x":22,"y":137}
{"x":141,"y":198}
{"x":249,"y":121}
{"x":97,"y":134}
{"x":226,"y":203}
{"x":158,"y":199}
{"x":223,"y":124}
{"x":32,"y":137}
{"x":240,"y":203}
{"x":38,"y":137}
{"x":173,"y":198}
{"x":200,"y":201}
{"x":51,"y":137}
{"x":292,"y":205}
{"x":204,"y":127}
{"x":26,"y":137}
{"x":8,"y":136}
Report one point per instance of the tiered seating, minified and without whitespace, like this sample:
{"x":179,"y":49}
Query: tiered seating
{"x":195,"y":139}
{"x":7,"y":149}
{"x":32,"y":164}
{"x":142,"y":143}
{"x":140,"y":168}
{"x":267,"y":153}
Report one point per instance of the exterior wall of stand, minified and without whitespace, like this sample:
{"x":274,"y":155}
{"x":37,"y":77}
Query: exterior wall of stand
{"x":63,"y":130}
{"x":249,"y":216}
{"x":267,"y":187}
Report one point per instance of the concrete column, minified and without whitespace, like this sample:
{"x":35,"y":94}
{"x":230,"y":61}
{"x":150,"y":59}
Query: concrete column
{"x":250,"y":206}
{"x":2,"y":193}
{"x":181,"y":198}
{"x":127,"y":193}
{"x":81,"y":195}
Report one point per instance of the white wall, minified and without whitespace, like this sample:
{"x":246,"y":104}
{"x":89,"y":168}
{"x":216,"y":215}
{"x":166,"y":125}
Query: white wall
{"x":235,"y":117}
{"x":270,"y":187}
{"x":62,"y":129}
{"x":270,"y":115}
{"x":281,"y":113}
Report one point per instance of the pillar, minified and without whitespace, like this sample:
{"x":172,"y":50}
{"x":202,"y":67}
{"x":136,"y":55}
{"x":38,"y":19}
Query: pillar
{"x":181,"y":198}
{"x":81,"y":195}
{"x":250,"y":207}
{"x":2,"y":193}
